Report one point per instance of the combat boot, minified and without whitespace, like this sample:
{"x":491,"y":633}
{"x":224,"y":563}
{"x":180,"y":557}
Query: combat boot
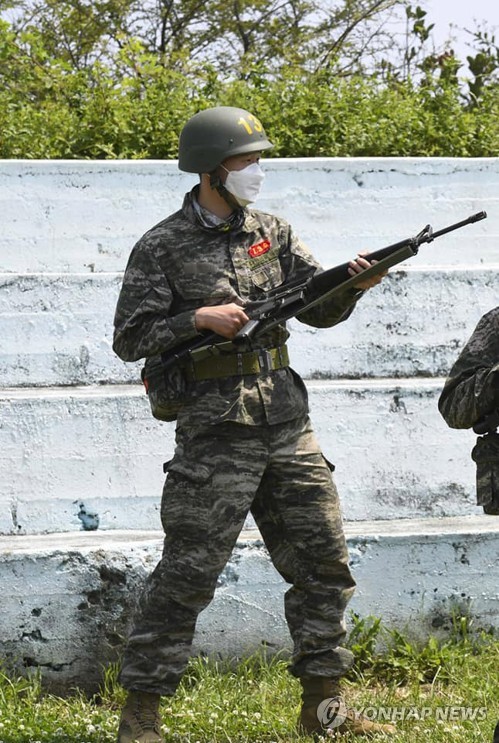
{"x":140,"y":721}
{"x":324,"y":712}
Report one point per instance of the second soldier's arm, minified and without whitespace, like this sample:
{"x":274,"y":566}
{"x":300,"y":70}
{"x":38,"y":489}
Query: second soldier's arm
{"x":472,"y":388}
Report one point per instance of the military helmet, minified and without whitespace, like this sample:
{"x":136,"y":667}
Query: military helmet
{"x":212,"y":135}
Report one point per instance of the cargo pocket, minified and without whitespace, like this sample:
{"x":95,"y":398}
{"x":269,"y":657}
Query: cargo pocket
{"x":192,"y":471}
{"x":186,"y":497}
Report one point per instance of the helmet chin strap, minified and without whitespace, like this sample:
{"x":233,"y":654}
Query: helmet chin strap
{"x":216,"y":183}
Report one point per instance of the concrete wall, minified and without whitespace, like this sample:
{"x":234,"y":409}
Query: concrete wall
{"x":416,"y":574}
{"x":79,"y":448}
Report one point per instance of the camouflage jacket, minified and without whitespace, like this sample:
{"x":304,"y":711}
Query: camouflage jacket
{"x":181,"y":264}
{"x":472,"y":388}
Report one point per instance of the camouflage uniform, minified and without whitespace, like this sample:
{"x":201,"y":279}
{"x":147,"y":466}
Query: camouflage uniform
{"x":243,"y":443}
{"x":470,"y":395}
{"x":472,"y":389}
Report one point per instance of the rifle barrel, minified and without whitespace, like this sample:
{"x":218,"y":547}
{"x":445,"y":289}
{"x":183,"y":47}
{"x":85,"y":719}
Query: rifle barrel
{"x":474,"y":218}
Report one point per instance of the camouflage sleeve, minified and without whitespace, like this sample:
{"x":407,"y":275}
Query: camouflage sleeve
{"x":143,"y":325}
{"x":472,"y":388}
{"x":331,"y":311}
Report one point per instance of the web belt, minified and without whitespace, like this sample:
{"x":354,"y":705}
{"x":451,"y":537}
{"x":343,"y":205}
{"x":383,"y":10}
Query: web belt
{"x":238,"y":364}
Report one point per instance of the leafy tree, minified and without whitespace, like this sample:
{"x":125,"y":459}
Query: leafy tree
{"x":102,"y":79}
{"x":231,"y":36}
{"x":484,"y":64}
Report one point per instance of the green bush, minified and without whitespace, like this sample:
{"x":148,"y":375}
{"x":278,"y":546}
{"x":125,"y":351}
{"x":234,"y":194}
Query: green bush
{"x":136,"y":106}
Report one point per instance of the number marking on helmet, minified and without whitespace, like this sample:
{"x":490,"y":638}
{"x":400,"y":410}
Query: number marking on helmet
{"x":257,"y":127}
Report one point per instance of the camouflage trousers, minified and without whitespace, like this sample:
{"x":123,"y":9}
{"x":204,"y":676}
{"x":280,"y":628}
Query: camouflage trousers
{"x":217,"y":475}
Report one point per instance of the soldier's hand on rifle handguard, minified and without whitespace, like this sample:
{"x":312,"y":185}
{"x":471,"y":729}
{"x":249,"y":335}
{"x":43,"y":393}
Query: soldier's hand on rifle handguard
{"x":358,"y":265}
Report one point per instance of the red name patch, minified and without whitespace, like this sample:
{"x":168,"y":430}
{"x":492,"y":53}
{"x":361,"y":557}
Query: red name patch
{"x":259,"y":249}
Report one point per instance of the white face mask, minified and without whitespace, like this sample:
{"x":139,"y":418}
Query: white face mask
{"x":245,"y":184}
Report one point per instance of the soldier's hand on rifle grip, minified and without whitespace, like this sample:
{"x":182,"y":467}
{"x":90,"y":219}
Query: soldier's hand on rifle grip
{"x":359,"y":264}
{"x":223,"y":319}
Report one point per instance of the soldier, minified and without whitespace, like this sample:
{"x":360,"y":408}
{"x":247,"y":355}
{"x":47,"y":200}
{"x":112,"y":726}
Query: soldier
{"x":244,"y":441}
{"x":470,"y":398}
{"x":471,"y":391}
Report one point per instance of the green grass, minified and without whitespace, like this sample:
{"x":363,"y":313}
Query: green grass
{"x":257,"y":700}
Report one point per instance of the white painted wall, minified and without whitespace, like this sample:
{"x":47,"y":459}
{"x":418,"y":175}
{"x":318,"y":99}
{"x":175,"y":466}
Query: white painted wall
{"x":81,"y":216}
{"x":100,"y":446}
{"x":57,"y":328}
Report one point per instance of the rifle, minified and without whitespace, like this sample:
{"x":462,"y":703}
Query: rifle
{"x":287,"y":301}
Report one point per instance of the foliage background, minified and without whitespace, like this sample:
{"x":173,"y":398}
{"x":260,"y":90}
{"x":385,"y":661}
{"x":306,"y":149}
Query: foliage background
{"x":118,"y":78}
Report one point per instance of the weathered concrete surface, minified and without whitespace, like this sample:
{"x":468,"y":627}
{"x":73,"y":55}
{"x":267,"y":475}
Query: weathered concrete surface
{"x":67,"y":599}
{"x":412,"y":325}
{"x":85,"y":216}
{"x":57,"y":328}
{"x":100,"y":447}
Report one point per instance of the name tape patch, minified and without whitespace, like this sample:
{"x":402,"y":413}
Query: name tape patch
{"x":259,"y":249}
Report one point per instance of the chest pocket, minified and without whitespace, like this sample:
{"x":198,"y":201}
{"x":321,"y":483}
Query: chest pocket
{"x":267,"y":275}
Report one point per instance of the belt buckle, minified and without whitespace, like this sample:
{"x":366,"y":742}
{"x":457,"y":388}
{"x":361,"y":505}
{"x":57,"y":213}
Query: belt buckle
{"x":265,"y":360}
